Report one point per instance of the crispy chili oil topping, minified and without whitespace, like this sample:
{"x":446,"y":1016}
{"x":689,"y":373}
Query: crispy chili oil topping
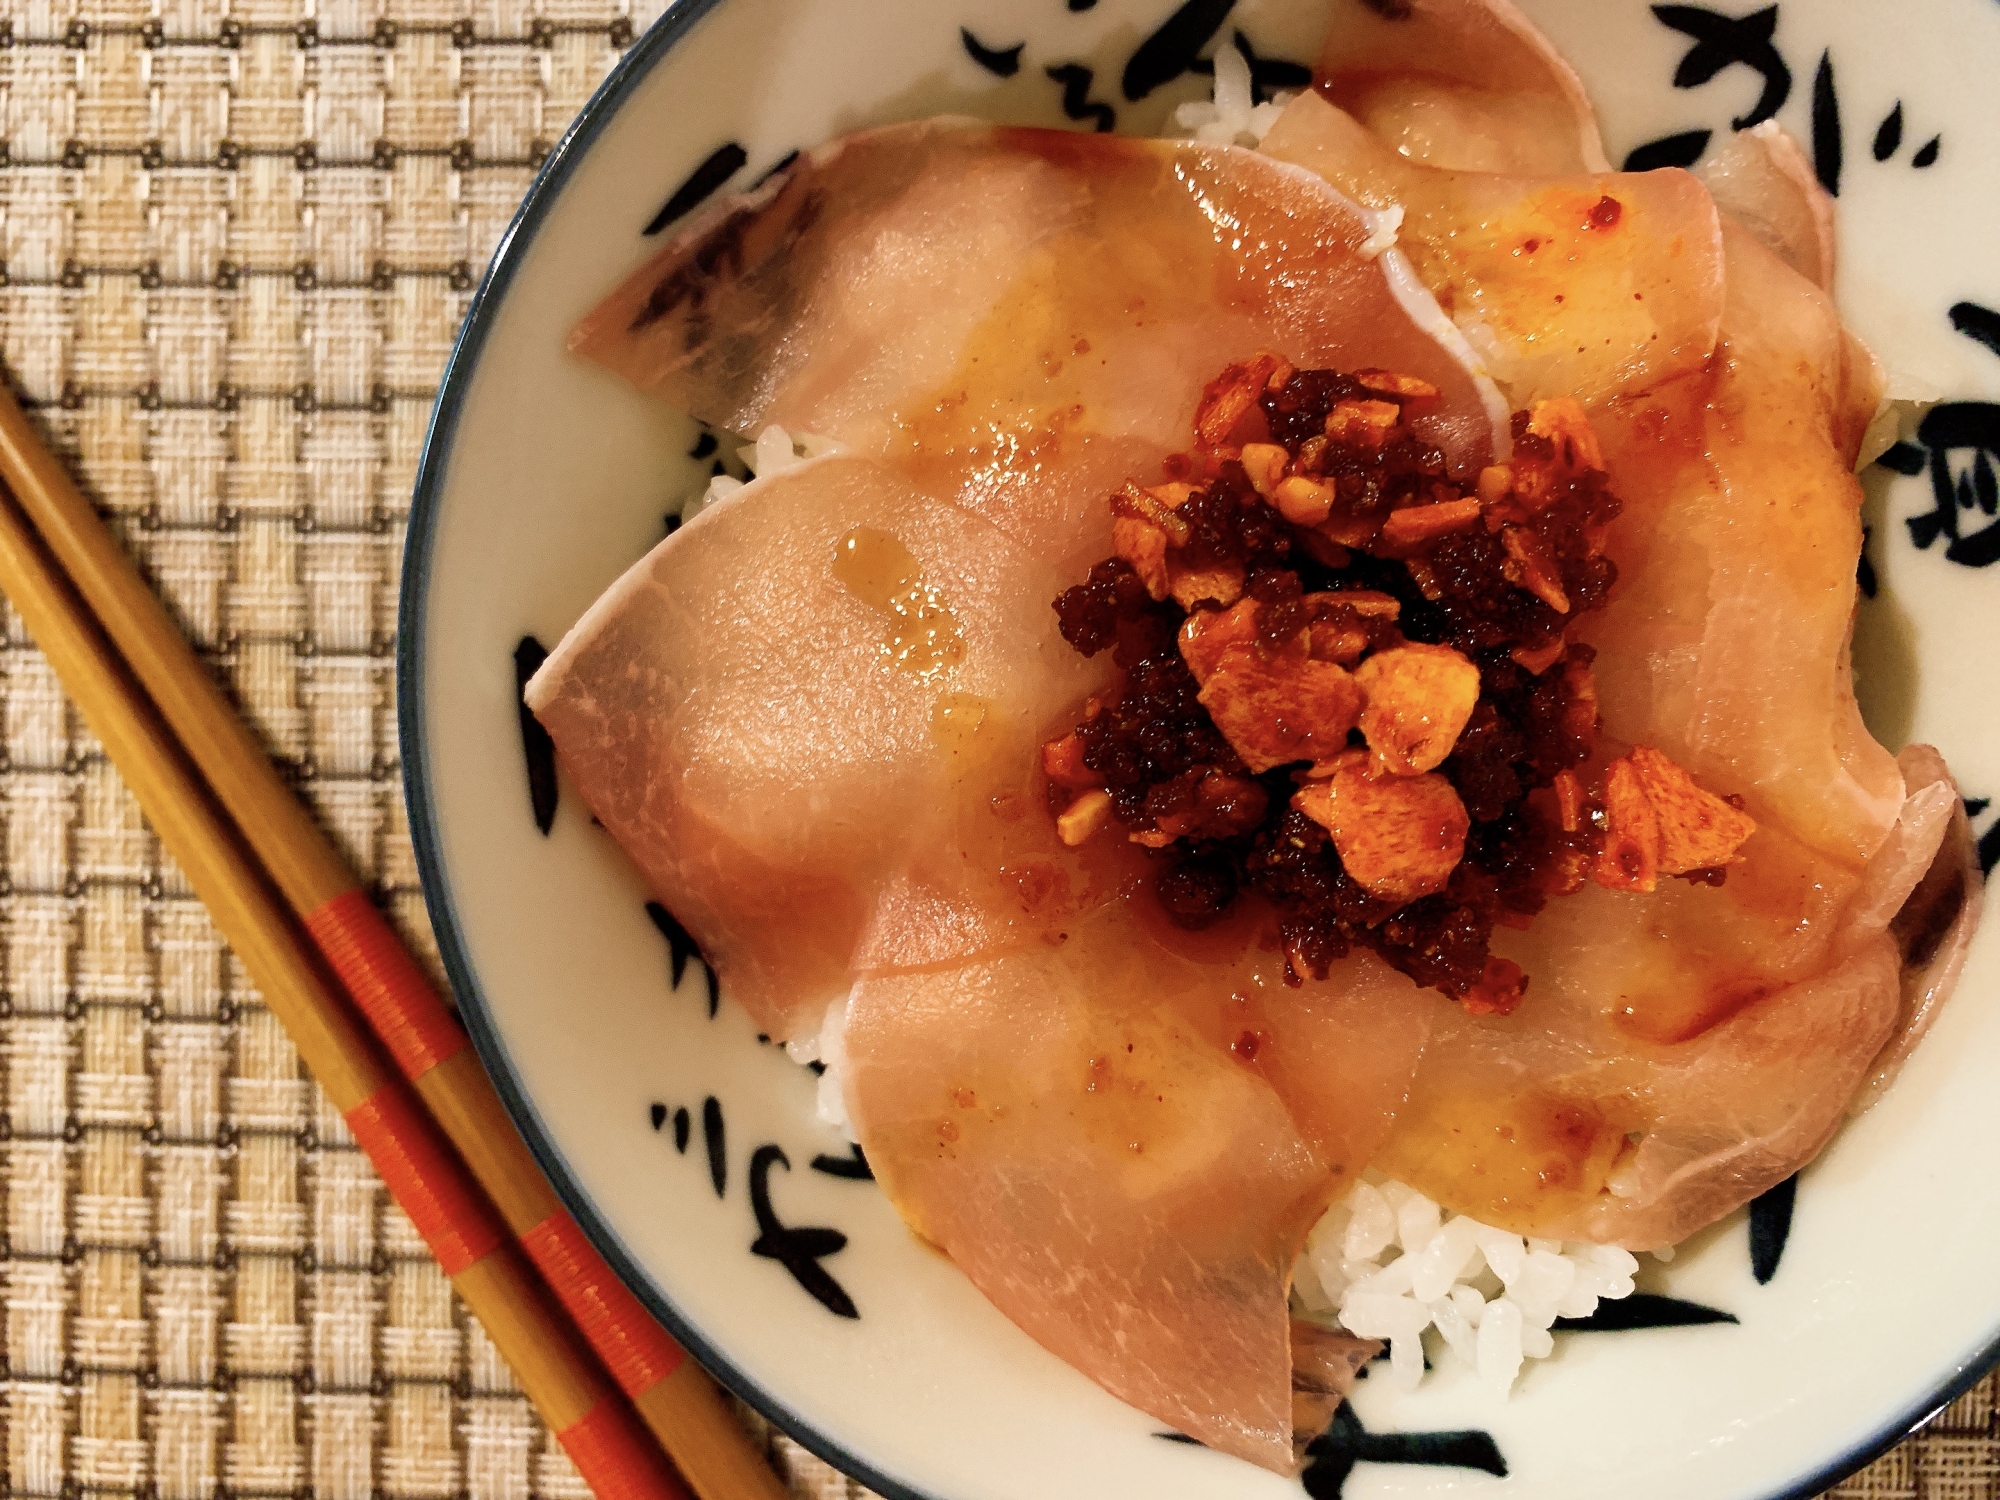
{"x":1348,"y":685}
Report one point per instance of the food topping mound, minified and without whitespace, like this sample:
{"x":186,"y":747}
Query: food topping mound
{"x":1348,"y":684}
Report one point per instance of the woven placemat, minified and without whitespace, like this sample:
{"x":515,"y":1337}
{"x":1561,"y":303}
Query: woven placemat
{"x":238,"y":239}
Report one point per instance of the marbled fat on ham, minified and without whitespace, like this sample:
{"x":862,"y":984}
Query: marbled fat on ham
{"x":1761,"y":179}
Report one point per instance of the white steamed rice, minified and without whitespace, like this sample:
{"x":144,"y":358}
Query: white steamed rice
{"x":1386,"y":1263}
{"x":774,"y":452}
{"x":1231,"y":118}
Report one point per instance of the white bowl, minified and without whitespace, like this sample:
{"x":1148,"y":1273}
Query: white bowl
{"x":670,"y":1132}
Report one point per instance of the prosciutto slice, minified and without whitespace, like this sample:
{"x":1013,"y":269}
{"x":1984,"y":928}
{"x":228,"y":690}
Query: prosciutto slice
{"x":1680,"y":1052}
{"x":1585,"y":285}
{"x":1123,"y":1140}
{"x":741,"y":708}
{"x":986,"y":402}
{"x":1022,"y":318}
{"x":1761,"y":179}
{"x":1932,"y":930}
{"x":1726,"y":647}
{"x":1460,"y":83}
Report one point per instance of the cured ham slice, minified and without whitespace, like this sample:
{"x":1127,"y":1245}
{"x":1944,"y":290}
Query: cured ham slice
{"x":1123,"y":1140}
{"x":1460,"y":83}
{"x":1762,"y":180}
{"x":1726,"y":648}
{"x":746,"y":705}
{"x":1586,"y":285}
{"x":1568,"y":1121}
{"x":1683,"y":1051}
{"x":1023,"y":316}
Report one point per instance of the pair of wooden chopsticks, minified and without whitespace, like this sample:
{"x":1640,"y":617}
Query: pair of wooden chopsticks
{"x":348,"y":992}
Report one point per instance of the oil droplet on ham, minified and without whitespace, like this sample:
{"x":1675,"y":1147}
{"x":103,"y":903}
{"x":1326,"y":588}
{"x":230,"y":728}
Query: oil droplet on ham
{"x":956,"y":721}
{"x":921,"y":633}
{"x":1514,"y":1161}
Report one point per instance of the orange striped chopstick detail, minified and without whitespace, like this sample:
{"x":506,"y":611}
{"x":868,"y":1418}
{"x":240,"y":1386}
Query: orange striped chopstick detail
{"x":678,"y":1402}
{"x":602,"y":1436}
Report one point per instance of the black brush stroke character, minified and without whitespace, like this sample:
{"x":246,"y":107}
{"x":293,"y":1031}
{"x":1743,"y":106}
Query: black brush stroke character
{"x":1770,"y":1227}
{"x":537,"y":749}
{"x":1889,"y":134}
{"x":1682,"y":150}
{"x":1720,"y":41}
{"x":657,"y":1114}
{"x":1927,"y":153}
{"x":1331,"y":1456}
{"x":681,"y":947}
{"x":721,"y":164}
{"x":1643,"y":1310}
{"x":799,"y":1251}
{"x":1904,"y":458}
{"x":1980,"y":324}
{"x":1002,"y":62}
{"x":1826,"y":127}
{"x":682,"y":1129}
{"x":854,"y":1165}
{"x":1961,"y":426}
{"x":1173,"y":46}
{"x":1951,"y":431}
{"x":713,"y":1139}
{"x":1989,"y":841}
{"x":782,"y":164}
{"x":1076,"y":79}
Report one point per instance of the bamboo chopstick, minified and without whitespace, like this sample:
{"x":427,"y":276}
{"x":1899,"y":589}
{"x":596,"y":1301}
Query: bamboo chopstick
{"x":676,"y":1399}
{"x":608,"y":1445}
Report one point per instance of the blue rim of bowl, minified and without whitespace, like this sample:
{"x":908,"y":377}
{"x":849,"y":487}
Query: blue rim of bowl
{"x":674,"y":23}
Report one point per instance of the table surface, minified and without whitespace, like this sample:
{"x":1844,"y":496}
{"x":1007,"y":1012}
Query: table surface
{"x":236,"y":239}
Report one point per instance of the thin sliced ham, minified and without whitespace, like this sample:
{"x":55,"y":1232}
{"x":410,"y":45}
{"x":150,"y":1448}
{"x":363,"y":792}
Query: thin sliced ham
{"x":1460,"y":83}
{"x":1680,"y":1052}
{"x":996,"y":324}
{"x":737,"y":717}
{"x":1025,"y":317}
{"x":1726,"y":644}
{"x":1762,"y":180}
{"x":1567,"y":1120}
{"x":1583,"y":285}
{"x":1123,"y":1140}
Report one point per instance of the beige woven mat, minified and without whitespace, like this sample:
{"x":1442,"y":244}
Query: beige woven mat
{"x":238,"y":238}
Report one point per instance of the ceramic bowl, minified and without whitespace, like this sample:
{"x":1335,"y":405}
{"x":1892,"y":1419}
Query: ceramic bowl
{"x":690,"y":1150}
